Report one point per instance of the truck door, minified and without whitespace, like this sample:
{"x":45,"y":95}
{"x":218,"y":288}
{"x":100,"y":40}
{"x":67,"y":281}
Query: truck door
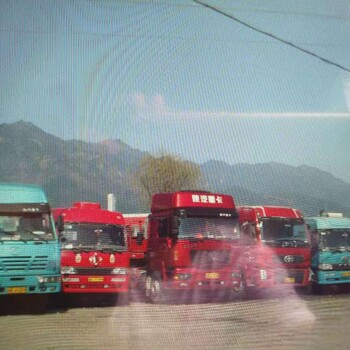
{"x":159,"y":244}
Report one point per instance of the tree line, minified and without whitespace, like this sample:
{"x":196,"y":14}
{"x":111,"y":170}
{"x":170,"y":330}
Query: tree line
{"x":164,"y":173}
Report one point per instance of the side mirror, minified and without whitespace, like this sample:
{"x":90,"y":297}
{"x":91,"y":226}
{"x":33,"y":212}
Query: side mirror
{"x":175,"y":226}
{"x":60,"y":224}
{"x":139,"y":238}
{"x":175,"y":229}
{"x":176,"y":222}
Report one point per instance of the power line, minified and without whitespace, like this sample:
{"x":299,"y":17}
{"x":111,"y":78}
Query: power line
{"x":173,"y":4}
{"x":325,"y":60}
{"x":80,"y":33}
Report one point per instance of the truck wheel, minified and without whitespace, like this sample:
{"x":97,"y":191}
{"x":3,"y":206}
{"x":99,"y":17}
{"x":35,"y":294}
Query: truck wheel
{"x":315,"y":288}
{"x":251,"y":293}
{"x":123,"y":299}
{"x":329,"y":289}
{"x":35,"y":303}
{"x":240,"y":296}
{"x":148,"y":287}
{"x":156,"y":292}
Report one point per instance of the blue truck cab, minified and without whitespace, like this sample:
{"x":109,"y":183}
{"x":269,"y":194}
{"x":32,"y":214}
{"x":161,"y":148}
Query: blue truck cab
{"x":29,"y":246}
{"x":330,"y":262}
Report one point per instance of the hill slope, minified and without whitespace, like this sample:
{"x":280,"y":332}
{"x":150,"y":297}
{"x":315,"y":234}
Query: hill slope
{"x":75,"y":170}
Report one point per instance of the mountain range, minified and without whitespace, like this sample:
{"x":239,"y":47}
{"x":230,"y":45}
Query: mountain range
{"x":80,"y":171}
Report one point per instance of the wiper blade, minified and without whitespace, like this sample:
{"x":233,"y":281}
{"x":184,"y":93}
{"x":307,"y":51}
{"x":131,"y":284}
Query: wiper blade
{"x":16,"y":237}
{"x":192,"y":238}
{"x":291,"y":239}
{"x":80,"y":248}
{"x":337,"y":249}
{"x":334,"y":249}
{"x":287,"y":242}
{"x":115,"y":248}
{"x":35,"y":235}
{"x":271,"y":243}
{"x":221,"y":239}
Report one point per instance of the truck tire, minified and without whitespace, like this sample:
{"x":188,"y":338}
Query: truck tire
{"x":240,"y":295}
{"x":34,"y":303}
{"x":315,"y":288}
{"x":156,"y":291}
{"x":123,"y":299}
{"x":329,"y":289}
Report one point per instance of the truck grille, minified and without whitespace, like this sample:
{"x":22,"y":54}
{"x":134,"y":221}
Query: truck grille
{"x":23,"y":263}
{"x":93,"y":271}
{"x":210,"y":259}
{"x":341,"y":267}
{"x":289,"y":259}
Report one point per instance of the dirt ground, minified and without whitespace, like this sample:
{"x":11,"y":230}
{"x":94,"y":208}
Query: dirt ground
{"x":276,"y":322}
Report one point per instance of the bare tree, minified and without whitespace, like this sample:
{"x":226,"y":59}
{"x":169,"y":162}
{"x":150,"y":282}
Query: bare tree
{"x":165,"y":173}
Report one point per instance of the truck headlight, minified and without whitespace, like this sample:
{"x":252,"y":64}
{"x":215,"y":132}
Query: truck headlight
{"x":120,"y":271}
{"x":236,"y":275}
{"x":51,"y":279}
{"x":182,"y":276}
{"x":68,"y":270}
{"x":325,"y":267}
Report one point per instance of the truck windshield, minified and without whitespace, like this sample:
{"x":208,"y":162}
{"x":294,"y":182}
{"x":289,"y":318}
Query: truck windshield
{"x":335,"y":238}
{"x":93,"y":236}
{"x":284,"y":230}
{"x":209,"y":228}
{"x":26,"y":227}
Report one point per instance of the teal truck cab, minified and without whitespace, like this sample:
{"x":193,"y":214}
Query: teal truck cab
{"x":330,"y":239}
{"x":29,"y":247}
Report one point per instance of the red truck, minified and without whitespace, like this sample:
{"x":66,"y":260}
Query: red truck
{"x":94,"y":250}
{"x":193,"y":246}
{"x":278,"y":247}
{"x":137,"y":232}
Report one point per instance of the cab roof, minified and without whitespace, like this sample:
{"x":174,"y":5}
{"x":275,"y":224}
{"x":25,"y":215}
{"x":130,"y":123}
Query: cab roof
{"x":250,"y":212}
{"x":89,"y":212}
{"x":327,"y":223}
{"x":186,"y":199}
{"x":14,"y":193}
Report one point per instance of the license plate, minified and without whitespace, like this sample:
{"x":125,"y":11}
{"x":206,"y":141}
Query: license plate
{"x":95,"y":279}
{"x":17,"y":290}
{"x":346,"y":274}
{"x":289,"y":280}
{"x":212,"y":275}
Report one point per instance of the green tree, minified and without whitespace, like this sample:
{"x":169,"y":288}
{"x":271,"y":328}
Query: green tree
{"x":165,"y":173}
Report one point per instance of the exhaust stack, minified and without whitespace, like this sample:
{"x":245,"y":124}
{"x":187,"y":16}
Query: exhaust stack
{"x":111,"y":202}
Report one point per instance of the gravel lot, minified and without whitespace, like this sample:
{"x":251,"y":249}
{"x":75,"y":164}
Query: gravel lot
{"x":285,"y":322}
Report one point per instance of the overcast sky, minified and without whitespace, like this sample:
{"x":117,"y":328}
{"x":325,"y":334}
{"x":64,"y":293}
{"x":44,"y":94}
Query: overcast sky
{"x":178,"y":77}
